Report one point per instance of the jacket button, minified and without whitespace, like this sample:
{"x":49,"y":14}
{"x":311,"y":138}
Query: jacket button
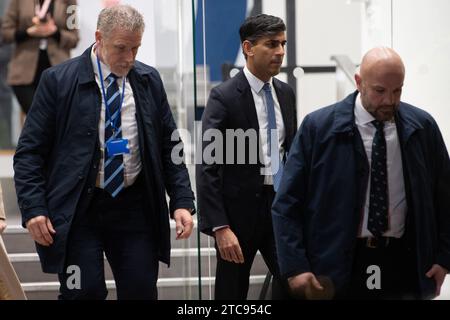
{"x":89,"y":133}
{"x":90,"y":190}
{"x":80,"y":177}
{"x":95,"y":166}
{"x":257,"y":194}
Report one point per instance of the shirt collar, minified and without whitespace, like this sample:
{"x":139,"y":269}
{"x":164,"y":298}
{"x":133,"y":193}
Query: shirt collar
{"x":362,"y":116}
{"x":255,"y":83}
{"x":105,"y":69}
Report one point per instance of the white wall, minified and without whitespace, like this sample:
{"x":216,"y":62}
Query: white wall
{"x":324,"y":28}
{"x":421,"y":36}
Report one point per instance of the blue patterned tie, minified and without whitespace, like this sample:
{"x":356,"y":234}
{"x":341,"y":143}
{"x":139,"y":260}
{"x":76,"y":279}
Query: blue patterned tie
{"x":114,"y":180}
{"x":378,"y":202}
{"x":274,"y":153}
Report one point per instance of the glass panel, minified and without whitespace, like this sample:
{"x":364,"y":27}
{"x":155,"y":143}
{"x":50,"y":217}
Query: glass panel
{"x":219,"y":55}
{"x":167,"y":46}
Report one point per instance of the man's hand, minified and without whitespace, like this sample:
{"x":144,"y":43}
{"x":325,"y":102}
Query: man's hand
{"x":306,"y":286}
{"x":228,"y":245}
{"x":184,"y":223}
{"x":41,"y":230}
{"x":438,"y":273}
{"x":2,"y":225}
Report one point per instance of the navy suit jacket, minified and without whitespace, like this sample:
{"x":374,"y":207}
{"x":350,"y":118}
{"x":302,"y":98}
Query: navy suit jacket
{"x":230,"y":193}
{"x":57,"y":156}
{"x":319,"y":206}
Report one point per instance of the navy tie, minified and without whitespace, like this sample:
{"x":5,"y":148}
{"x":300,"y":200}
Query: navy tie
{"x":273,"y":152}
{"x":114,"y":180}
{"x":378,"y":202}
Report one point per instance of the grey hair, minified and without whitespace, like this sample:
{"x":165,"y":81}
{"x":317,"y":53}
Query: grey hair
{"x":123,"y":17}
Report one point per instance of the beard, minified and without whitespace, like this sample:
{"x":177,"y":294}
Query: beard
{"x":383,"y":113}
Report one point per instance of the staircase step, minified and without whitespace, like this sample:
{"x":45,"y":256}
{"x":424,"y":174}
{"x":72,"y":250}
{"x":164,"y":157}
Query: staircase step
{"x":168,"y":289}
{"x":17,"y":240}
{"x":184,"y":262}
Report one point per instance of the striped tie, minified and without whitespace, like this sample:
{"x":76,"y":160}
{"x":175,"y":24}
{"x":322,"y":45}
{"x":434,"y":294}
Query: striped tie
{"x":274,"y":153}
{"x":114,"y":180}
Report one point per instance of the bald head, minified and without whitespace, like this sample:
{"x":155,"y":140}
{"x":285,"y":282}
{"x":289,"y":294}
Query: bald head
{"x":380,"y":82}
{"x":381,"y":57}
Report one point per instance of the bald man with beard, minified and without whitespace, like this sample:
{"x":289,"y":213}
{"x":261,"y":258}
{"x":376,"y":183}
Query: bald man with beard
{"x":363,"y":209}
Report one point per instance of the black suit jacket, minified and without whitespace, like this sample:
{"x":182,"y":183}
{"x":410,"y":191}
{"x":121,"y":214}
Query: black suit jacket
{"x":228,"y":194}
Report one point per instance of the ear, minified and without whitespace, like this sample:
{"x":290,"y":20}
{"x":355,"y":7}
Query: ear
{"x":98,"y":37}
{"x":247,"y":47}
{"x":358,"y":81}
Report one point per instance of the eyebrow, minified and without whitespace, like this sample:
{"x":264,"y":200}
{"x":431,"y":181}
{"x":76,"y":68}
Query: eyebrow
{"x":276,"y":41}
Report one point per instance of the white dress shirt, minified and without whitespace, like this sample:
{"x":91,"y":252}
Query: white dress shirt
{"x":259,"y":98}
{"x":132,"y":161}
{"x":396,"y":187}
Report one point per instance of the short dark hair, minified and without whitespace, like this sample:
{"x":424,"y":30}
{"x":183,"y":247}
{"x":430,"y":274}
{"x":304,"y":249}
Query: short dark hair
{"x":261,"y":25}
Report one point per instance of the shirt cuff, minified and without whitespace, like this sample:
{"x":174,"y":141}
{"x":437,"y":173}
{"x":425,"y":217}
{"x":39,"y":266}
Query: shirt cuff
{"x":220,"y":227}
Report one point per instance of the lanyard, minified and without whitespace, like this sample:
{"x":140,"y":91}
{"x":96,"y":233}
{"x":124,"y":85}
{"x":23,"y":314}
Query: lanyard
{"x":113,"y":123}
{"x":41,"y":11}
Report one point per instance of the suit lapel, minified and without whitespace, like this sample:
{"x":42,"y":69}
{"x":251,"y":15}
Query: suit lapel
{"x":246,"y":100}
{"x":285,"y":112}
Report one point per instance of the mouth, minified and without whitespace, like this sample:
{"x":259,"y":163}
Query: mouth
{"x":387,"y":109}
{"x":386,"y":113}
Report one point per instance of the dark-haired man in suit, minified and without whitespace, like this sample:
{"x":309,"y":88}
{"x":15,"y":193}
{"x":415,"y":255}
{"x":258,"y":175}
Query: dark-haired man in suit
{"x":235,"y":198}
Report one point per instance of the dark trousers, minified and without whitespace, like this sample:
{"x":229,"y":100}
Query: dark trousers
{"x":25,"y":93}
{"x":119,"y":229}
{"x":397,"y":271}
{"x":232,"y":279}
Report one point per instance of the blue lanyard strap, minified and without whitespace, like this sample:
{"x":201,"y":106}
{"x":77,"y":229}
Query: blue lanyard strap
{"x":113,"y":123}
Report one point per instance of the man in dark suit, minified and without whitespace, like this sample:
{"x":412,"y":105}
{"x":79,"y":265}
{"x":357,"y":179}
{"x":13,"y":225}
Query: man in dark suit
{"x":363,"y":207}
{"x":93,"y":164}
{"x":235,"y":193}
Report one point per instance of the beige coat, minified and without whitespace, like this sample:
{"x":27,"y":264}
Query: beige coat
{"x":23,"y":64}
{"x":10,"y":288}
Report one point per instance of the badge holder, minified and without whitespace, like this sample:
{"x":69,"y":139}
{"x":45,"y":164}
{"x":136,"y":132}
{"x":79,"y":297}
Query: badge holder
{"x":117,"y":147}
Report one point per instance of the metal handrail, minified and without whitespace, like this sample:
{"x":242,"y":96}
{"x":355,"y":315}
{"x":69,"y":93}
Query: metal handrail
{"x":344,"y":63}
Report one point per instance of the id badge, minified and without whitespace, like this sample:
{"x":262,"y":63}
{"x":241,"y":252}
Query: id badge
{"x":117,"y":147}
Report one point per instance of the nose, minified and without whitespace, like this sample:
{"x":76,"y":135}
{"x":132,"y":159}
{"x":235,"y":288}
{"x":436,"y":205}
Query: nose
{"x":129,"y":56}
{"x":281,"y":50}
{"x":389,"y":98}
